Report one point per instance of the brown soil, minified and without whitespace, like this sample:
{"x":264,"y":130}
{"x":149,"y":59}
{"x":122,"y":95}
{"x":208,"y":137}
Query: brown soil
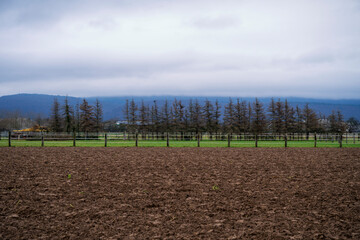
{"x":179,"y":193}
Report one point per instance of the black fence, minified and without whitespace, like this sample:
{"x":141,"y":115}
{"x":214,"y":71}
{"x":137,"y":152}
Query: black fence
{"x":18,"y":138}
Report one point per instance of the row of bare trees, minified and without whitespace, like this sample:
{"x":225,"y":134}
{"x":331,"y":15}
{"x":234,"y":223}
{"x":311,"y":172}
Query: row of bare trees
{"x":11,"y":120}
{"x":237,"y":116}
{"x":80,"y":118}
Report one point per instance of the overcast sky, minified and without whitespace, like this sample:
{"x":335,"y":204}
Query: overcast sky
{"x":307,"y":48}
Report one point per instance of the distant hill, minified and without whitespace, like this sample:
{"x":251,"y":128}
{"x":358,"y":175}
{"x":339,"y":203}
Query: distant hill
{"x":31,"y":105}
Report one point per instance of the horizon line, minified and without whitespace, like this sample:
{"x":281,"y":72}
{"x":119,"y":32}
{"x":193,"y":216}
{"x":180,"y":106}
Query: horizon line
{"x":187,"y":96}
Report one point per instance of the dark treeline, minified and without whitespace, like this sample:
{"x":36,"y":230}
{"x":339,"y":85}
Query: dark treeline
{"x":237,"y":116}
{"x":82,"y":117}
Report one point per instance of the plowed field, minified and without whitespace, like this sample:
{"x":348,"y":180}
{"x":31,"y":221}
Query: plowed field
{"x":179,"y":193}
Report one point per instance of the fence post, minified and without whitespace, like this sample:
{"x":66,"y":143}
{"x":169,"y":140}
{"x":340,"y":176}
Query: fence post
{"x":346,"y":136}
{"x":340,"y":140}
{"x":42,"y":139}
{"x":256,"y":140}
{"x":315,"y":140}
{"x":285,"y":137}
{"x":136,"y":139}
{"x":198,"y":139}
{"x":354,"y":137}
{"x":229,"y":139}
{"x":74,"y":139}
{"x":167,"y":140}
{"x":105,"y":139}
{"x":9,"y":138}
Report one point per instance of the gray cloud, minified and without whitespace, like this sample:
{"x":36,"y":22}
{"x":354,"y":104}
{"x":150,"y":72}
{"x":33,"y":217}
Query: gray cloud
{"x":220,"y":22}
{"x":235,"y":48}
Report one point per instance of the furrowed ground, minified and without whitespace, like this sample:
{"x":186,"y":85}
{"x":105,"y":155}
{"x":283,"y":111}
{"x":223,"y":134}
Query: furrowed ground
{"x":179,"y":193}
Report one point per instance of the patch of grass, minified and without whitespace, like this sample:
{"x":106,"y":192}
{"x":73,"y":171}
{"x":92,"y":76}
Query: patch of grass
{"x":18,"y":202}
{"x":174,"y":143}
{"x":3,"y":143}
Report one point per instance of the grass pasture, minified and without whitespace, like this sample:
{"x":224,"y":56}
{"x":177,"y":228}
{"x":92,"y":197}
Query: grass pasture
{"x":175,"y":143}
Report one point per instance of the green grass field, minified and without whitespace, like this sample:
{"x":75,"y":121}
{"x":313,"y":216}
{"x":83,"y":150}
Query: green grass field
{"x":162,"y":143}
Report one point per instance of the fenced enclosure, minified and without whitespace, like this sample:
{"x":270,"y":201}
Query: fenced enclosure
{"x":125,"y":139}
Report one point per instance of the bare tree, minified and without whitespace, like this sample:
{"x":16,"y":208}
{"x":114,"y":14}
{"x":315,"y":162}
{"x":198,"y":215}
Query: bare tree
{"x":133,"y":115}
{"x":217,"y":115}
{"x":258,"y":117}
{"x":249,"y":117}
{"x":98,"y":112}
{"x":87,"y":120}
{"x":244,"y":116}
{"x":55,"y":117}
{"x":197,"y":117}
{"x":165,"y":117}
{"x":68,"y":115}
{"x":126,"y":112}
{"x":229,"y":116}
{"x":299,"y":123}
{"x":341,"y":122}
{"x":143,"y":117}
{"x":279,"y":117}
{"x":337,"y":124}
{"x":178,"y":116}
{"x":40,"y":120}
{"x":155,"y":118}
{"x":240,"y":116}
{"x":310,"y":120}
{"x":289,"y":118}
{"x":272,"y":115}
{"x":209,"y":117}
{"x":77,"y":118}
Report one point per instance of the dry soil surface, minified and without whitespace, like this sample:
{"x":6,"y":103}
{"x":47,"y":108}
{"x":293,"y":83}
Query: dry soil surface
{"x":179,"y":193}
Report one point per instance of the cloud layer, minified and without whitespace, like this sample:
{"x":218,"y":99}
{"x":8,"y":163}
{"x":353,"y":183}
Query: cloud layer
{"x":160,"y":47}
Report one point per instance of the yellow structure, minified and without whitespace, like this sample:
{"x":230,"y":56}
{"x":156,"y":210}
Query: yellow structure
{"x":35,"y":128}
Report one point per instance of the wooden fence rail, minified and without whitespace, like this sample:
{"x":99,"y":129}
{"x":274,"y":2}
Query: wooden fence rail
{"x":231,"y":139}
